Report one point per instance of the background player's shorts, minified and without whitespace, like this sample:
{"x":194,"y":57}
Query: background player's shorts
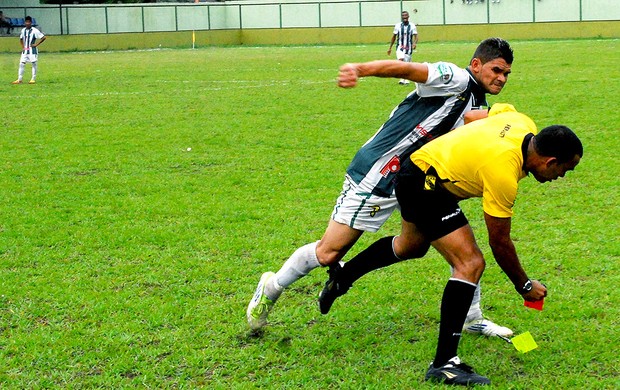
{"x":362,"y":210}
{"x":402,"y":56}
{"x":29,"y":58}
{"x":425,"y":203}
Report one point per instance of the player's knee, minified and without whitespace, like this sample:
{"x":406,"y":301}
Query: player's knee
{"x":413,"y":252}
{"x":471,"y":267}
{"x":420,"y":251}
{"x":477,"y":265}
{"x":406,"y":249}
{"x":328,"y":255}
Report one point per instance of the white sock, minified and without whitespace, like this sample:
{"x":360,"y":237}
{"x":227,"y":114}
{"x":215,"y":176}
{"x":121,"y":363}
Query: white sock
{"x":475,"y":312}
{"x":296,"y":267}
{"x":20,"y":73}
{"x":34,"y":70}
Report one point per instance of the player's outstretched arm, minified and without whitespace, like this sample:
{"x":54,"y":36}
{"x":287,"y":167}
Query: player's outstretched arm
{"x":350,"y":73}
{"x":474,"y":115}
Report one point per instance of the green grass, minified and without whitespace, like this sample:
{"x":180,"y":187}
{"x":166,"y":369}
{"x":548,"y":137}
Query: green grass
{"x":128,"y":261}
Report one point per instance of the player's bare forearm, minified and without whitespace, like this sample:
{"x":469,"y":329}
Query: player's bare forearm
{"x":504,"y":250}
{"x":350,"y":73}
{"x":506,"y":256}
{"x":474,"y":115}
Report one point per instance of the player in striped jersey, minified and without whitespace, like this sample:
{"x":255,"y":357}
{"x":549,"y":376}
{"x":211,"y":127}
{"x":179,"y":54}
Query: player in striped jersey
{"x":406,"y":34}
{"x":28,"y":39}
{"x":444,"y":95}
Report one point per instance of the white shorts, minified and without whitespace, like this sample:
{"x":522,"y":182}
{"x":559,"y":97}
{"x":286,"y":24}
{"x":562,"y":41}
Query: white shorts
{"x":29,"y":58}
{"x":402,"y":56}
{"x":360,"y":209}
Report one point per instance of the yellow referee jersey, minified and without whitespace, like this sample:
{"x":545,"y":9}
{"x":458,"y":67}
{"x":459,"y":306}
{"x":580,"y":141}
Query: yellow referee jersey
{"x":482,"y":159}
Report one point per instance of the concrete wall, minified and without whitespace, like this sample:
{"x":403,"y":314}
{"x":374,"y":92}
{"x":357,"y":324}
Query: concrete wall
{"x":248,"y":14}
{"x":115,"y":27}
{"x":335,"y":35}
{"x":19,"y":3}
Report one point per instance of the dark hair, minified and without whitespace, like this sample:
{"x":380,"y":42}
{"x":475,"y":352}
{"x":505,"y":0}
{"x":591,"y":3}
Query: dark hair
{"x":492,"y":48}
{"x":28,"y":18}
{"x":558,"y":141}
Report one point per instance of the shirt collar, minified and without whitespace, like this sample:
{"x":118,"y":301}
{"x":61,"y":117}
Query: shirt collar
{"x":524,"y":146}
{"x":477,"y":88}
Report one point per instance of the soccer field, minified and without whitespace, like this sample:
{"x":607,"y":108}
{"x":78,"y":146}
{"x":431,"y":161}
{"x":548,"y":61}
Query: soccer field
{"x":144,"y":193}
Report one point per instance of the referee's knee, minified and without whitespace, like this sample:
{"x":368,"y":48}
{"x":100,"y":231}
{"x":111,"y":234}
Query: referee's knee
{"x":406,"y":249}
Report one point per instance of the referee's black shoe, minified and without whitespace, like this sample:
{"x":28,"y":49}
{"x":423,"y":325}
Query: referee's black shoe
{"x":332,"y":290}
{"x":456,"y":373}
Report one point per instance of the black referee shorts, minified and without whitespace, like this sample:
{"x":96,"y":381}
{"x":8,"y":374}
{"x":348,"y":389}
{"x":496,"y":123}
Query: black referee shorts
{"x":425,"y":203}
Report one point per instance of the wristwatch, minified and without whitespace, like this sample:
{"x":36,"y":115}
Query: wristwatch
{"x":527,"y":287}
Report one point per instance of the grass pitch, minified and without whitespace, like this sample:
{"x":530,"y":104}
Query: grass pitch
{"x":143,"y":194}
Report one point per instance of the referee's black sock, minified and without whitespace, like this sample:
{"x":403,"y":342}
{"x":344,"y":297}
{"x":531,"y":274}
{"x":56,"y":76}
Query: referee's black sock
{"x":378,"y":255}
{"x":457,"y":297}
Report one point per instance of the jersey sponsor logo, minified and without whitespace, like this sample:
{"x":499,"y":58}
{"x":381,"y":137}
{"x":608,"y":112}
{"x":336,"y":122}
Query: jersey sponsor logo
{"x":423,"y":133}
{"x":454,"y":214}
{"x":392,"y":166}
{"x":502,"y":133}
{"x":445,"y":72}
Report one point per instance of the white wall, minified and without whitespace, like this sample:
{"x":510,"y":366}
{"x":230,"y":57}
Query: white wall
{"x":254,"y":14}
{"x":19,"y":3}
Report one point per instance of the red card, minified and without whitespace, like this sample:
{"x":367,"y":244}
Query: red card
{"x":538,"y":305}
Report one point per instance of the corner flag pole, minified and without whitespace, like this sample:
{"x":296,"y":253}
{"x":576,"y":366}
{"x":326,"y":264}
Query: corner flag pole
{"x":193,"y":39}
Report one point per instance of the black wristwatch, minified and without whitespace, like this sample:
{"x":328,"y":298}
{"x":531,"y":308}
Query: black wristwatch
{"x":527,"y":287}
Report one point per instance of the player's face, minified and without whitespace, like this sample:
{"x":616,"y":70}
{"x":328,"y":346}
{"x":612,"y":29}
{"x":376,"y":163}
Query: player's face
{"x":405,"y":17}
{"x":551,"y":169}
{"x":493,"y":75}
{"x":28,"y":23}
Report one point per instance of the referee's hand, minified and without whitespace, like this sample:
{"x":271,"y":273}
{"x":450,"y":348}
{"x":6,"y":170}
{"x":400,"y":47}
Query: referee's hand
{"x":347,"y":77}
{"x":538,"y":292}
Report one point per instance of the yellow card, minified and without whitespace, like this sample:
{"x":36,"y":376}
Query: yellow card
{"x":524,"y":342}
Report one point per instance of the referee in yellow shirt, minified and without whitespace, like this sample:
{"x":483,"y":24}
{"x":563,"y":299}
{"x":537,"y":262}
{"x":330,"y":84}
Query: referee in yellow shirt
{"x":485,"y":158}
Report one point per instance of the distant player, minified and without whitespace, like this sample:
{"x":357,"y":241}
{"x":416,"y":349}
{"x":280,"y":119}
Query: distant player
{"x":28,"y":39}
{"x":406,"y":35}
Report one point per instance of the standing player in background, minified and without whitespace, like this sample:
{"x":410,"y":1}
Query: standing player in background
{"x":444,"y":98}
{"x":28,"y":39}
{"x":407,"y":36}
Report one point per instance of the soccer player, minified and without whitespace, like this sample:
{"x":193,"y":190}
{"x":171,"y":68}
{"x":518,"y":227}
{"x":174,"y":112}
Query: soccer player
{"x":485,"y":158}
{"x":406,"y":35}
{"x":445,"y":93}
{"x":28,"y":39}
